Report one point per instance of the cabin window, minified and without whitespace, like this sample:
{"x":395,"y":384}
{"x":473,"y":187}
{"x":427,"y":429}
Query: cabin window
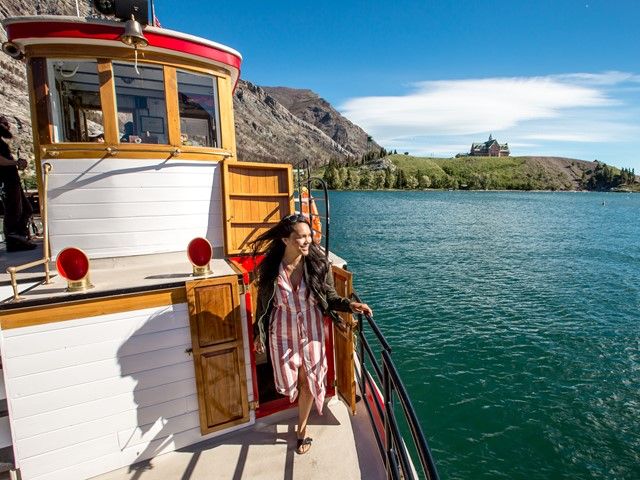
{"x":75,"y":101}
{"x":199,"y":110}
{"x":141,"y":106}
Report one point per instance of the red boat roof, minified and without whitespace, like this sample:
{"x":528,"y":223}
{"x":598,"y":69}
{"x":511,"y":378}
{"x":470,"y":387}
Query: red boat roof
{"x":43,"y":29}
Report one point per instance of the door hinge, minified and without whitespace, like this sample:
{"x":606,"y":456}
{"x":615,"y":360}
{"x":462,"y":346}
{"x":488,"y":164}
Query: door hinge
{"x":335,"y":382}
{"x":253,"y":405}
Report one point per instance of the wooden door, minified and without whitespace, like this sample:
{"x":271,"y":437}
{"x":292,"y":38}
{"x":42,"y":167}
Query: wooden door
{"x":218,"y":354}
{"x":256,"y":197}
{"x":343,"y":342}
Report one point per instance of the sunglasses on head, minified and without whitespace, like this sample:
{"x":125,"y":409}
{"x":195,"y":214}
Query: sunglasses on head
{"x":295,"y":218}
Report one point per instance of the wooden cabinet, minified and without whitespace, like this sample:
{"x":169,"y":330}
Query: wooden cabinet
{"x":218,"y":354}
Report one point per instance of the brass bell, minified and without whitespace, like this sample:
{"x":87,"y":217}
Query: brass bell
{"x":133,"y":35}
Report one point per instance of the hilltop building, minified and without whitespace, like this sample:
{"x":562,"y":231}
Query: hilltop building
{"x":490,"y":148}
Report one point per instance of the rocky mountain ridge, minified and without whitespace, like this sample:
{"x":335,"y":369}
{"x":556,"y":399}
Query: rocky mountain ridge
{"x":266,"y":131}
{"x":310,"y":107}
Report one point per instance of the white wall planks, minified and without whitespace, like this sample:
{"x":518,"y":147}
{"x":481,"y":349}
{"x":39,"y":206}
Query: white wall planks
{"x":74,"y":356}
{"x":120,"y":207}
{"x":79,"y":394}
{"x":70,"y":333}
{"x":131,"y":455}
{"x":91,"y":395}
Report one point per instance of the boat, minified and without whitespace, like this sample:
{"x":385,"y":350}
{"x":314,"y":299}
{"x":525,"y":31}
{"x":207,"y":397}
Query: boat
{"x":126,"y":339}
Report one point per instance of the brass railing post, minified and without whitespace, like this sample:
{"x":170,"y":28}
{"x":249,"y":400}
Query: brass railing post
{"x":45,"y":222}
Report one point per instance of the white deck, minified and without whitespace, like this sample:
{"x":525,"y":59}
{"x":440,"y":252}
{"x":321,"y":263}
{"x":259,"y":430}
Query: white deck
{"x":343,"y":448}
{"x":109,"y":276}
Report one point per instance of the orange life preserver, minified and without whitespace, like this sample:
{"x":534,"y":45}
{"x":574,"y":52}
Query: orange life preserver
{"x":309,"y":205}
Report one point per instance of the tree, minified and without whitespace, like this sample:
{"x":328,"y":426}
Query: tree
{"x":352,"y":180}
{"x":332,"y":177}
{"x":401,"y":179}
{"x":490,"y":182}
{"x":365,"y":179}
{"x":342,"y":175}
{"x":424,"y":181}
{"x":474,"y":181}
{"x":411,"y":182}
{"x":389,"y":178}
{"x":378,"y":180}
{"x":348,"y":180}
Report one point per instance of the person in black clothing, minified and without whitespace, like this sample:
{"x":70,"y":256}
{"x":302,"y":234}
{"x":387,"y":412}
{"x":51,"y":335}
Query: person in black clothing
{"x":17,"y":209}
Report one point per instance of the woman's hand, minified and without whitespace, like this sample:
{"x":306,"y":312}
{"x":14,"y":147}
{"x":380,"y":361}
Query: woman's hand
{"x":357,"y":307}
{"x":258,"y":346}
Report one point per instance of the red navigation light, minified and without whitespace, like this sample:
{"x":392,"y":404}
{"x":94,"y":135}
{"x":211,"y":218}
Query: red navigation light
{"x":73,"y":265}
{"x":200,"y":252}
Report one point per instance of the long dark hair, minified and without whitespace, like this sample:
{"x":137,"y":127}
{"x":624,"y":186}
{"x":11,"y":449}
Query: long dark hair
{"x":270,"y":242}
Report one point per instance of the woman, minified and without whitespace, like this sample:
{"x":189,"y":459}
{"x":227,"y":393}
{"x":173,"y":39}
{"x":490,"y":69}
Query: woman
{"x":295,"y":290}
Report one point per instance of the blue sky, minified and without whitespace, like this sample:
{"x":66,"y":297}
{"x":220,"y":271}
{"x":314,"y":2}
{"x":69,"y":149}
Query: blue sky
{"x":551,"y":77}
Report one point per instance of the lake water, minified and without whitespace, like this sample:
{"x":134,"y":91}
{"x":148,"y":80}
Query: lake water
{"x":515,"y":319}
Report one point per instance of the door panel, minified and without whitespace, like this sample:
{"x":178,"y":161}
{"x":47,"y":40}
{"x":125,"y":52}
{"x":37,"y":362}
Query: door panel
{"x":218,"y":354}
{"x":256,"y":197}
{"x":344,"y":343}
{"x":214,"y":329}
{"x":222,"y":386}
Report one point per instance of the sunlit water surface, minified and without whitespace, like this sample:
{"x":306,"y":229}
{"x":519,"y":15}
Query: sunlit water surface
{"x":515,"y":319}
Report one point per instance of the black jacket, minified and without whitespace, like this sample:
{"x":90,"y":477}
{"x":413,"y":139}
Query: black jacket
{"x":328,"y":300}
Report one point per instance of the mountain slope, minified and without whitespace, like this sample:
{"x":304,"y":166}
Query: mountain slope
{"x":310,"y":107}
{"x":267,"y":132}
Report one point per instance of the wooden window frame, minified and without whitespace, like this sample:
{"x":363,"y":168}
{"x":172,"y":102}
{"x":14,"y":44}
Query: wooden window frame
{"x":218,"y":113}
{"x":105,"y":56}
{"x":108,"y":101}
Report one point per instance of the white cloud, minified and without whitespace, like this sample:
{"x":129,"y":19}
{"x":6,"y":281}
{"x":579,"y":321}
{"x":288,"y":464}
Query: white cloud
{"x":469,"y":106}
{"x":527,"y":112}
{"x":604,"y":78}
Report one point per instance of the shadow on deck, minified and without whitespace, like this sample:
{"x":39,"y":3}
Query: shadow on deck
{"x":343,"y":448}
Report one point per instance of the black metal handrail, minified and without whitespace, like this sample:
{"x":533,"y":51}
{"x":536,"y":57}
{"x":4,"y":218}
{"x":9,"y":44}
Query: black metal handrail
{"x":304,"y":179}
{"x":393,"y":449}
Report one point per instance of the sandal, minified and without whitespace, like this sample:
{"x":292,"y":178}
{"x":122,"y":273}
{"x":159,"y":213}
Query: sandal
{"x":301,"y":444}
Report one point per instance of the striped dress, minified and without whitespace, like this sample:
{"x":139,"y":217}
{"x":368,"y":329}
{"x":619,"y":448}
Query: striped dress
{"x":296,"y":338}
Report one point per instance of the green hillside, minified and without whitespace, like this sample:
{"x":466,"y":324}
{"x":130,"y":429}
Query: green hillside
{"x":480,"y":173}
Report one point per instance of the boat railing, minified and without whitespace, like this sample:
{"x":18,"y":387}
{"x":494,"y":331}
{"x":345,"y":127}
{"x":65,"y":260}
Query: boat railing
{"x":392,"y":443}
{"x":46,"y":254}
{"x":303,"y":179}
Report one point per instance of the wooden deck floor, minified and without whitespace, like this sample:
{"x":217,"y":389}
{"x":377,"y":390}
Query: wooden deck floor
{"x":343,"y":448}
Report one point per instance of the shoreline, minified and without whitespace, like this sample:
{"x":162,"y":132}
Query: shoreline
{"x":478,"y":191}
